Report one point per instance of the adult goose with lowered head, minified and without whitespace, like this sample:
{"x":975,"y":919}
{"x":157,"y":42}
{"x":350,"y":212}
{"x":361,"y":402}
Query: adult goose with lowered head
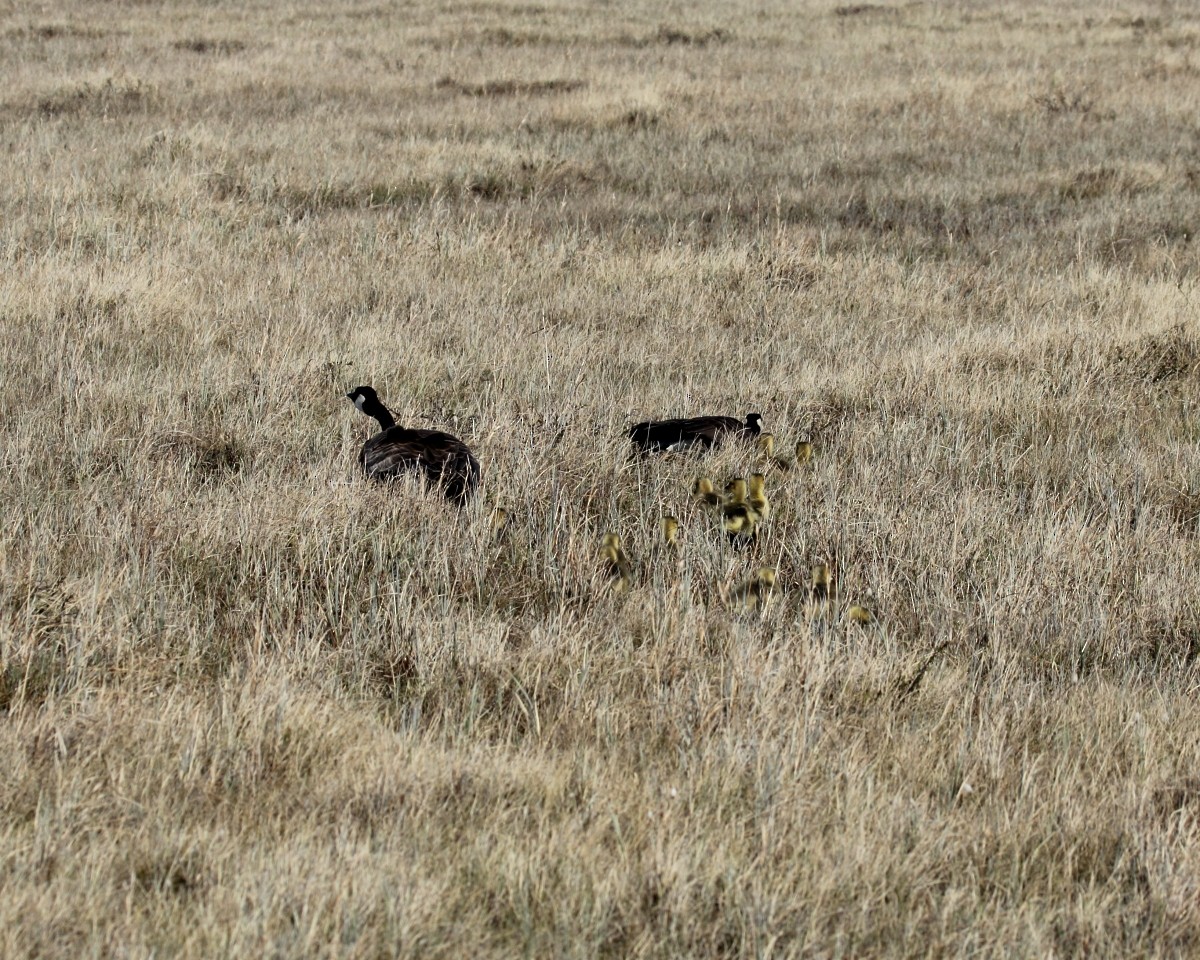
{"x":653,"y":435}
{"x":445,"y":461}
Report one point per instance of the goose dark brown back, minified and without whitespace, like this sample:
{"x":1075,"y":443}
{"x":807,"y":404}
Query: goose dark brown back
{"x":655,"y":435}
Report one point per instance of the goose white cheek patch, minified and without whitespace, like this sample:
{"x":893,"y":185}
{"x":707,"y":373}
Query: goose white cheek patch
{"x":358,"y":402}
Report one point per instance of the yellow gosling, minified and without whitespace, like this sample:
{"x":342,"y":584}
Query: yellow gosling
{"x":704,"y":491}
{"x":737,"y":516}
{"x":766,"y":446}
{"x":616,"y":562}
{"x":823,"y":589}
{"x":753,"y":593}
{"x":757,"y":496}
{"x":499,"y":522}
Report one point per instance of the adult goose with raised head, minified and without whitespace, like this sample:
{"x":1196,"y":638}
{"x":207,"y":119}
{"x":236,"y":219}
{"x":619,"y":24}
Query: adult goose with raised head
{"x":444,"y":460}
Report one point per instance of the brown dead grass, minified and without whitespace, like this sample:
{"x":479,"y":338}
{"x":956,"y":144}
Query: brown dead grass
{"x":251,"y":706}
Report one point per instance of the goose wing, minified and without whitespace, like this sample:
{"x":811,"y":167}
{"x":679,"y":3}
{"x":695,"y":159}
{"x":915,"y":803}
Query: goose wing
{"x":682,"y":432}
{"x":444,"y":459}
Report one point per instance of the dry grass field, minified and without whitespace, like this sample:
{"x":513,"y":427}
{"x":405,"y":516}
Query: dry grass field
{"x":253,"y":706}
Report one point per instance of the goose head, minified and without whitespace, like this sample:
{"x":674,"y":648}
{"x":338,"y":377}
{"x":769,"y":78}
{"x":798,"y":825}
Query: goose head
{"x":363,"y":398}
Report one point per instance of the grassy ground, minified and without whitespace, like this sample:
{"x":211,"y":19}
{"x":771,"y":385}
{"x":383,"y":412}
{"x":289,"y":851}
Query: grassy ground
{"x":252,"y":706}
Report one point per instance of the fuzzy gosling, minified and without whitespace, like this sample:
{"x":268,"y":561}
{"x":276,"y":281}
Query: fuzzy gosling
{"x":822,"y":591}
{"x":704,"y":492}
{"x":753,"y":593}
{"x":737,"y":516}
{"x":766,"y":446}
{"x":757,"y":496}
{"x":616,"y":563}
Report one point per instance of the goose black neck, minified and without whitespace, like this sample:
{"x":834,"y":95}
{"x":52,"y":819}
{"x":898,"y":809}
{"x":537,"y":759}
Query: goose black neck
{"x":374,"y":408}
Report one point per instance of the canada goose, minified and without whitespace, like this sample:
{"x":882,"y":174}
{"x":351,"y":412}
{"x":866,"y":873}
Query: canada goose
{"x":766,"y":446}
{"x":670,"y":530}
{"x":860,"y":614}
{"x":757,"y":497}
{"x":754,"y":592}
{"x":615,"y":562}
{"x":654,"y":435}
{"x":738,"y":517}
{"x":445,"y":461}
{"x":703,"y":491}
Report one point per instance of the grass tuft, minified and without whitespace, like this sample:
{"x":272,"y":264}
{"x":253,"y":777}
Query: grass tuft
{"x":214,"y":455}
{"x":112,"y":96}
{"x":201,"y":45}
